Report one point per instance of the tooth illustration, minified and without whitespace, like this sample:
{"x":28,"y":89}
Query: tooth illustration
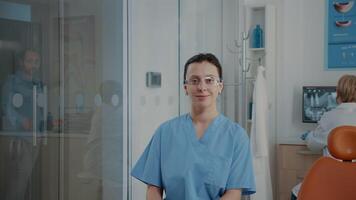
{"x":343,"y":23}
{"x":343,"y":7}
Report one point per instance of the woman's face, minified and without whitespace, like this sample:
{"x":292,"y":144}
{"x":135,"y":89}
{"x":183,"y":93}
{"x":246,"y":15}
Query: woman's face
{"x":203,"y":84}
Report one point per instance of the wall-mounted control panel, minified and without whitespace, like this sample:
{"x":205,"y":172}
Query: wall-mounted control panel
{"x":153,"y":79}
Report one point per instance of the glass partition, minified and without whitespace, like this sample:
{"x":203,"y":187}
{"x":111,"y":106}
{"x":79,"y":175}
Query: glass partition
{"x":61,"y":85}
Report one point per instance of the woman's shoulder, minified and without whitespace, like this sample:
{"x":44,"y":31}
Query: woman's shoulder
{"x":342,"y":108}
{"x":175,"y":119}
{"x":349,"y":106}
{"x":233,"y":128}
{"x":174,"y":122}
{"x":344,"y":113}
{"x":229,"y":122}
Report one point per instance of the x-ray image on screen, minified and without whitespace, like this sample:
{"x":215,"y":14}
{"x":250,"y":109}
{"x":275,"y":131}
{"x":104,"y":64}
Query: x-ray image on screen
{"x":316,"y":101}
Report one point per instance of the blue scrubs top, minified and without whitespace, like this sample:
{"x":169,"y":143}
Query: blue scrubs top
{"x":190,"y":168}
{"x":18,"y":84}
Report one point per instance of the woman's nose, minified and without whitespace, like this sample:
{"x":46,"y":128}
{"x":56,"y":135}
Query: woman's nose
{"x":202,"y":86}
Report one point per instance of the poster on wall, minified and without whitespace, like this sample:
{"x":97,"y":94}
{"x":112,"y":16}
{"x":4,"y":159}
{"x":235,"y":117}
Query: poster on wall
{"x":341,"y":37}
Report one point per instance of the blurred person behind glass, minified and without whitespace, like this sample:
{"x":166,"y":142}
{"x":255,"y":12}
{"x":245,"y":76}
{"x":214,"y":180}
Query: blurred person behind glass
{"x":19,"y":124}
{"x":103,"y":160}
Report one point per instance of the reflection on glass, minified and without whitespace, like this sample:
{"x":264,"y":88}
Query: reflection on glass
{"x":97,"y":100}
{"x":49,"y":92}
{"x":79,"y":102}
{"x":19,"y":92}
{"x":17,"y":100}
{"x":102,"y":161}
{"x":115,"y":100}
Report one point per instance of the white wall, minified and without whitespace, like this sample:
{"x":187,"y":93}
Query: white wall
{"x":200,"y":32}
{"x":211,"y":26}
{"x":153,"y":46}
{"x":155,"y":39}
{"x":300,"y":38}
{"x":230,"y":63}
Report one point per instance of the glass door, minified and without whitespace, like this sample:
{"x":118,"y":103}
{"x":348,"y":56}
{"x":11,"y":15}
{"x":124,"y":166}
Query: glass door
{"x":61,"y":84}
{"x":92,"y":47}
{"x":25,"y":107}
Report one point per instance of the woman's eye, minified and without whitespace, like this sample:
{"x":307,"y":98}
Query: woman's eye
{"x":194,"y":81}
{"x":209,"y":81}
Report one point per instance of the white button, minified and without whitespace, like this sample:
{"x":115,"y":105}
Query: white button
{"x":115,"y":100}
{"x":17,"y":100}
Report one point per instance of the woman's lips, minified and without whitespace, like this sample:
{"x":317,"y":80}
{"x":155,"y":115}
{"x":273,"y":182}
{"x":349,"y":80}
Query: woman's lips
{"x":343,"y":7}
{"x":201,"y":97}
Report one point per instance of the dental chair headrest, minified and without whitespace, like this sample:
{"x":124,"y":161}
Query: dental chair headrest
{"x":342,"y":143}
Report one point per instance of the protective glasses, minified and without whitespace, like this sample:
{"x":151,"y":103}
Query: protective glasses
{"x":208,"y":81}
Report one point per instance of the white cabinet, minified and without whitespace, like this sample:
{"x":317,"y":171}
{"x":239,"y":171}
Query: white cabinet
{"x":294,"y":161}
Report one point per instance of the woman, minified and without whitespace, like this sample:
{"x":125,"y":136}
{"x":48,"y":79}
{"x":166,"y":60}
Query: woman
{"x":343,"y":114}
{"x":202,"y":154}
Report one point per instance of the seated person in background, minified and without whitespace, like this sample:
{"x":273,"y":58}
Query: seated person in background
{"x":343,"y":114}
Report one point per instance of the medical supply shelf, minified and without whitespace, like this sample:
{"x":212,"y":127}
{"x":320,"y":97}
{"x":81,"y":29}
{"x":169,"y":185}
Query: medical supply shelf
{"x":263,"y":14}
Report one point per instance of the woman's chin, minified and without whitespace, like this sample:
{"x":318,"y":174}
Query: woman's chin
{"x":202,"y":104}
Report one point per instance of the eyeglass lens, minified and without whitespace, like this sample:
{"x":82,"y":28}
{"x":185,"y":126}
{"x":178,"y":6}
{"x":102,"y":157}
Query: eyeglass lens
{"x":206,"y":80}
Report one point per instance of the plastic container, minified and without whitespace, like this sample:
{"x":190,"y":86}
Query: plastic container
{"x":257,"y":37}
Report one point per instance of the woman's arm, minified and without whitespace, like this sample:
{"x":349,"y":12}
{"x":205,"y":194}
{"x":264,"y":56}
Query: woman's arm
{"x":154,"y":193}
{"x":233,"y":194}
{"x":317,"y":139}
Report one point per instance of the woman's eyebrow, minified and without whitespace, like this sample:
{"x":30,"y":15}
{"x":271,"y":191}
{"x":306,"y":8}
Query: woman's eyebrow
{"x":208,"y":75}
{"x":194,"y":76}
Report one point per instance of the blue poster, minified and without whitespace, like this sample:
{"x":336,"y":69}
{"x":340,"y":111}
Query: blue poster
{"x":341,"y":37}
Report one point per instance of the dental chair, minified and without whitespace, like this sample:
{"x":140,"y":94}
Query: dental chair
{"x":333,"y":179}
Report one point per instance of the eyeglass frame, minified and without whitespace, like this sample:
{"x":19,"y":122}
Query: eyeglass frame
{"x":215,"y":80}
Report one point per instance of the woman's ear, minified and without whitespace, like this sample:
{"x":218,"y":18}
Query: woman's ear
{"x":338,"y":99}
{"x":221,"y":88}
{"x":185,"y":89}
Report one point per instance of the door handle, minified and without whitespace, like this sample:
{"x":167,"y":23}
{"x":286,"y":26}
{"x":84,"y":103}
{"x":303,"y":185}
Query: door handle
{"x":45,"y":111}
{"x":34,"y":115}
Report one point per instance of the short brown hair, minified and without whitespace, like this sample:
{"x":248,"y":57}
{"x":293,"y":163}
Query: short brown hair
{"x":346,"y":88}
{"x":201,"y":57}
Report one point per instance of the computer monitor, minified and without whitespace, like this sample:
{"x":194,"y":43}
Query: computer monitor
{"x":316,"y":101}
